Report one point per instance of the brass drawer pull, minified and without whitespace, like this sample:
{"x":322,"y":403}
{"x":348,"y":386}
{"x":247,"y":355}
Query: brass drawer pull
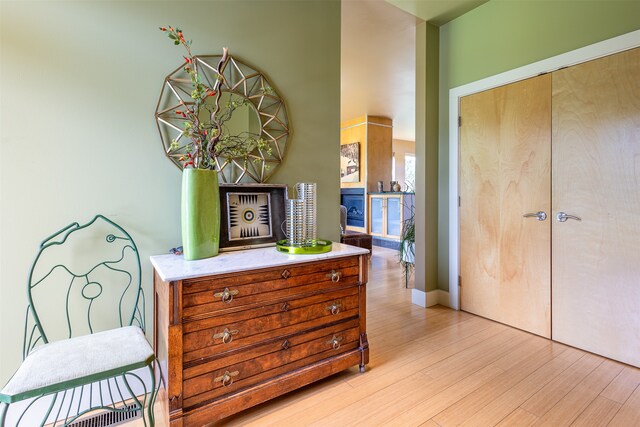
{"x":226,"y":295}
{"x":335,"y":342}
{"x":227,"y":378}
{"x":334,"y":308}
{"x":334,"y":276}
{"x":286,"y":274}
{"x":286,"y":345}
{"x":226,"y":335}
{"x":285,"y":306}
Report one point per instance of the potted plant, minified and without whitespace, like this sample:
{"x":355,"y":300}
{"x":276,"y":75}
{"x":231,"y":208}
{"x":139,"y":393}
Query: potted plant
{"x":203,"y":126}
{"x":408,"y":244}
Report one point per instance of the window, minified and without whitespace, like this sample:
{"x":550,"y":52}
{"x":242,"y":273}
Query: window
{"x":393,"y":166}
{"x":410,"y":171}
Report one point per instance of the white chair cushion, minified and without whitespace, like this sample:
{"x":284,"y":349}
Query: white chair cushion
{"x":68,"y":360}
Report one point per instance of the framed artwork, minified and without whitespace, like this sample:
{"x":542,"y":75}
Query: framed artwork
{"x":350,"y":162}
{"x":252,"y":215}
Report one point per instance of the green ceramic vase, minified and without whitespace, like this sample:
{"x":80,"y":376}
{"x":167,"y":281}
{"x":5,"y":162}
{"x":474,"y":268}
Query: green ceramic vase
{"x":200,"y":213}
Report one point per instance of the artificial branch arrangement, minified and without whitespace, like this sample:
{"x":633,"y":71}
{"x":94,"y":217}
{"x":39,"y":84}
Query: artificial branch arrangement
{"x":204,"y":123}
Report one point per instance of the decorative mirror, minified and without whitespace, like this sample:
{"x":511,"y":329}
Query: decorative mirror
{"x":255,"y":108}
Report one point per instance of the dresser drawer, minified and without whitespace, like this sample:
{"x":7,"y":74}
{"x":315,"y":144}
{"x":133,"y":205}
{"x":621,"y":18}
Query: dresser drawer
{"x":201,"y":298}
{"x":242,"y":369}
{"x":212,"y":336}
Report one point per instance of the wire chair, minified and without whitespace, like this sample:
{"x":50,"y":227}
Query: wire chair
{"x":84,"y":331}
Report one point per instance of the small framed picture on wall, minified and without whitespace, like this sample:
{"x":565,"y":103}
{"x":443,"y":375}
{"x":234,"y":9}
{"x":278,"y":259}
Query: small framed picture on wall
{"x":252,"y":215}
{"x":350,"y":162}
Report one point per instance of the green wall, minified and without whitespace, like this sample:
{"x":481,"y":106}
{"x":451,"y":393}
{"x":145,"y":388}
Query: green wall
{"x":79,"y":85}
{"x":427,"y":46}
{"x":505,"y":34}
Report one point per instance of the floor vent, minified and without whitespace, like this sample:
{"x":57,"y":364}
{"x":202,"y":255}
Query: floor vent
{"x":108,"y":419}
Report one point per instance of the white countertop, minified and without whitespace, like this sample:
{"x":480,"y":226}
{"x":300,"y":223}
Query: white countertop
{"x":173,"y":267}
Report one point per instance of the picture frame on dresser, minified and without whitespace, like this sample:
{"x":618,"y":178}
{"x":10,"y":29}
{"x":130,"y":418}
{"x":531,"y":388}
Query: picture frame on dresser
{"x":252,"y":215}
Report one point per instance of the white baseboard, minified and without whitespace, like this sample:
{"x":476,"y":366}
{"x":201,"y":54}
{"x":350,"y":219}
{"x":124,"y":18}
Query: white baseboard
{"x":419,"y":297}
{"x":431,"y":298}
{"x":444,"y":298}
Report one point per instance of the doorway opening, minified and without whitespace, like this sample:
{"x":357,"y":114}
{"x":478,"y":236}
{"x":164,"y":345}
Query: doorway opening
{"x":377,"y":137}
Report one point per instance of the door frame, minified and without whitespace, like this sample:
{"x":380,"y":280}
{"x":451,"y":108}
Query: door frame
{"x":577,"y":56}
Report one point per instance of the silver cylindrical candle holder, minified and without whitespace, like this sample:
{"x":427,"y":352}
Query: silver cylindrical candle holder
{"x":295,"y":222}
{"x":307,"y":193}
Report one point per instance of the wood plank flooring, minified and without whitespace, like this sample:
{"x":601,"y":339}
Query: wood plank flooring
{"x":440,"y":367}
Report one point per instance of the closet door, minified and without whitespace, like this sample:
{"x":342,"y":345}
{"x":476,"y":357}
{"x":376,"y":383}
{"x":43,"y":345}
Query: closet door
{"x":596,"y":177}
{"x":505,"y":167}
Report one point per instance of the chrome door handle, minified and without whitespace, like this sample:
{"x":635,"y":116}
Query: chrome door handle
{"x":540,"y":215}
{"x":563,"y":217}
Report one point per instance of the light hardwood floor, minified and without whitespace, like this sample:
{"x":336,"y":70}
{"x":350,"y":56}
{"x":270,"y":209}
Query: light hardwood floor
{"x":439,"y":367}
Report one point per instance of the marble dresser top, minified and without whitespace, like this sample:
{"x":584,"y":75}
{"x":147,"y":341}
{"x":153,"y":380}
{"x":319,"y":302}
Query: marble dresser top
{"x":173,"y":267}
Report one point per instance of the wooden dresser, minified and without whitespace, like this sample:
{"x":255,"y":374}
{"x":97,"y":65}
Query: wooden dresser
{"x":243,"y":327}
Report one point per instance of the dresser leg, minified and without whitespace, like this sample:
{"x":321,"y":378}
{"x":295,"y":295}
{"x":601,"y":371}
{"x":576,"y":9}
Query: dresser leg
{"x":364,"y":351}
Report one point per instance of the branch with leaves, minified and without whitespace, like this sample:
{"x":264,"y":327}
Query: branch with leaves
{"x":209,"y":140}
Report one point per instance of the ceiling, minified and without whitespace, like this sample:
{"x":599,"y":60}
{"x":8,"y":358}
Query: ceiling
{"x":437,"y":12}
{"x":378,"y":64}
{"x":378,"y":56}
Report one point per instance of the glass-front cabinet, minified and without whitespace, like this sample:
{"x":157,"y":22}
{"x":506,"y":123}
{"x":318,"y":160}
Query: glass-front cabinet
{"x":394,"y":216}
{"x":377,"y":215}
{"x":386,"y":215}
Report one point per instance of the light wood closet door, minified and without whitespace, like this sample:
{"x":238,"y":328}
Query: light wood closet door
{"x":505,"y":167}
{"x":596,"y":177}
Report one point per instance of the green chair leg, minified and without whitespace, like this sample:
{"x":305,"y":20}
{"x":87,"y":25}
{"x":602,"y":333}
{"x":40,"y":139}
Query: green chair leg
{"x":3,"y":413}
{"x":153,"y":394}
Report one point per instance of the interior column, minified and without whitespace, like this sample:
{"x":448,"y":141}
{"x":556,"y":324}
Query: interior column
{"x":426,"y":268}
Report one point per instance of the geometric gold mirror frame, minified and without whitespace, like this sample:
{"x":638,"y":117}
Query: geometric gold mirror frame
{"x":262,"y":114}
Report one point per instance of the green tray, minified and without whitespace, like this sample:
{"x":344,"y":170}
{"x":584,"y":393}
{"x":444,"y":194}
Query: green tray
{"x":321,"y":247}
